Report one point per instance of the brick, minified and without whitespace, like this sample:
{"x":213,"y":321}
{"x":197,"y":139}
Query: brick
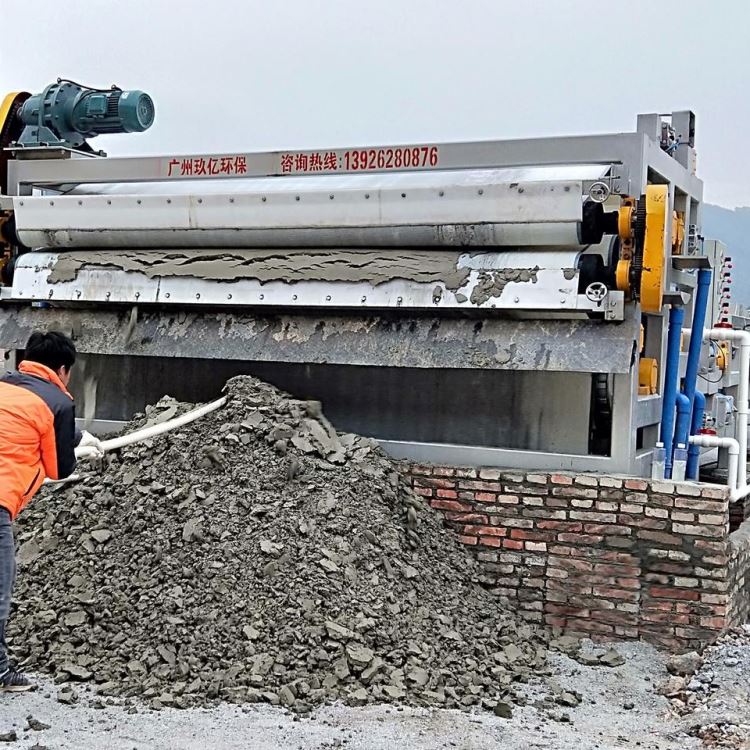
{"x":510,"y":476}
{"x":533,"y":536}
{"x":631,"y":508}
{"x":665,"y":488}
{"x":577,"y":503}
{"x":443,"y":484}
{"x":560,"y":525}
{"x":536,"y":478}
{"x":684,"y":582}
{"x":667,"y":592}
{"x":674,"y":554}
{"x":619,"y":542}
{"x":716,"y":493}
{"x":485,"y":530}
{"x":592,"y":516}
{"x":655,"y":524}
{"x":579,"y":538}
{"x":682,"y":516}
{"x":490,"y":541}
{"x":466,"y":473}
{"x":613,"y":496}
{"x":422,"y":470}
{"x":581,"y":566}
{"x":423,"y":491}
{"x":657,"y":512}
{"x":641,"y":498}
{"x":659,"y":536}
{"x":714,"y":598}
{"x":560,"y":550}
{"x":636,"y":484}
{"x":485,"y":497}
{"x":661,"y":501}
{"x":466,"y":517}
{"x":691,"y":503}
{"x":610,"y":482}
{"x":487,"y":556}
{"x":717,"y":623}
{"x":527,"y":489}
{"x":494,"y":474}
{"x":710,"y":518}
{"x":467,"y":484}
{"x":610,"y":592}
{"x":536,"y":546}
{"x":544,"y":514}
{"x":607,"y":529}
{"x":707,"y":544}
{"x":519,"y":523}
{"x":556,"y":609}
{"x":535,"y":502}
{"x":628,"y":583}
{"x":698,"y":530}
{"x":607,"y":507}
{"x":561,"y":479}
{"x":588,"y":626}
{"x":443,"y":471}
{"x":464,"y":539}
{"x":557,"y":573}
{"x":451,"y":505}
{"x":586,"y":480}
{"x":583,"y":493}
{"x":448,"y":494}
{"x":610,"y":569}
{"x":616,"y":617}
{"x":507,"y":499}
{"x":512,"y":544}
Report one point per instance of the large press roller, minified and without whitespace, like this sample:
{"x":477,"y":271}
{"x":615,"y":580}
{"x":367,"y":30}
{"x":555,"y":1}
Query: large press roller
{"x":539,"y":257}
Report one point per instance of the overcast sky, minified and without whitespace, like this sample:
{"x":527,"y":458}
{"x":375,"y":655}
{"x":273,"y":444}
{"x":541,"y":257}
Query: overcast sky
{"x":266,"y":74}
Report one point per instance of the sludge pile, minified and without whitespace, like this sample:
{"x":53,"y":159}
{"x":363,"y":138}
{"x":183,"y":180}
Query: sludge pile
{"x":257,"y":555}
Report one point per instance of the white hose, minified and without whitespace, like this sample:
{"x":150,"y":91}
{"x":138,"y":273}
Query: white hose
{"x":86,"y":453}
{"x":139,"y":436}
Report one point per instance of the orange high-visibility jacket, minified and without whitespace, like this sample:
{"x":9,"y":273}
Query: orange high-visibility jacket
{"x":37,"y":433}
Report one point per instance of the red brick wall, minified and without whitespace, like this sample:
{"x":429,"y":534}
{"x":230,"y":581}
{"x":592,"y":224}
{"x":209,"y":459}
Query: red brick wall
{"x":596,"y":555}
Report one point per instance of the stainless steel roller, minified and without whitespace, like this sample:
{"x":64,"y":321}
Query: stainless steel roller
{"x":538,"y":206}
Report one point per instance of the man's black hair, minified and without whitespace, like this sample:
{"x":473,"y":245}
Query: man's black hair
{"x":53,"y":349}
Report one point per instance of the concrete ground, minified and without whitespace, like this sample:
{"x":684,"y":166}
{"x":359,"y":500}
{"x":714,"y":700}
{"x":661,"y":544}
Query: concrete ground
{"x":619,"y":709}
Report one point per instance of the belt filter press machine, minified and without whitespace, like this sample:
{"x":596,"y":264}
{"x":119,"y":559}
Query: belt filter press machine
{"x":496,"y":303}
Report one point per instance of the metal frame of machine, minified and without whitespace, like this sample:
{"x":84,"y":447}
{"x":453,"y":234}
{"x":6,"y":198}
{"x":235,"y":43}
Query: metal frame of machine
{"x":417,"y":321}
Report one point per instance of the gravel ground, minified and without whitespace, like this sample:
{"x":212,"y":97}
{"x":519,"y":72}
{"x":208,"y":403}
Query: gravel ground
{"x":619,"y":709}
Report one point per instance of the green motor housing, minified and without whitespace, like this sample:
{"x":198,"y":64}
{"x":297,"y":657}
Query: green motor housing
{"x":67,"y":114}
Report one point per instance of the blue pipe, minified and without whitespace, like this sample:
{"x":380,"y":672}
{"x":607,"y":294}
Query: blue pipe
{"x":696,"y":333}
{"x":669,"y":395}
{"x":694,"y":452}
{"x":682,"y":425}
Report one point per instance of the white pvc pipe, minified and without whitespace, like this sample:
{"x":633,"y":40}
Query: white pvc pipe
{"x":86,"y":453}
{"x":743,"y":392}
{"x":149,"y":432}
{"x":733,"y":446}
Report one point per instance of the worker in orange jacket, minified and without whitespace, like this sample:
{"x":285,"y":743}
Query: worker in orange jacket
{"x":38,"y":438}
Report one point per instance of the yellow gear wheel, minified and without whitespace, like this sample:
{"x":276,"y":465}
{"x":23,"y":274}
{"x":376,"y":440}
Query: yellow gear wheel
{"x":652,"y":277}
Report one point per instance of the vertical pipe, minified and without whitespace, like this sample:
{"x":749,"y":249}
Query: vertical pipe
{"x":682,"y":424}
{"x":694,"y":452}
{"x":703,"y":287}
{"x":671,"y":375}
{"x":742,"y":410}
